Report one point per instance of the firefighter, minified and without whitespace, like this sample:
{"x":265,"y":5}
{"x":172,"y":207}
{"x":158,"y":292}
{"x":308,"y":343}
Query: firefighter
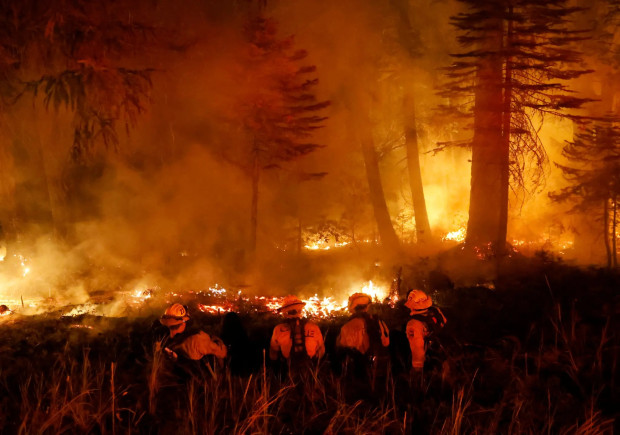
{"x":186,"y":343}
{"x":365,"y":333}
{"x":424,"y":321}
{"x":296,"y":339}
{"x":363,"y":342}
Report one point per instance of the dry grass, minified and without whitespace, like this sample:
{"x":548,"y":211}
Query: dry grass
{"x":557,"y":377}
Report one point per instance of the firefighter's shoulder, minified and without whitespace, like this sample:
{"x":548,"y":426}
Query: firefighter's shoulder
{"x":283,"y":327}
{"x":312,"y":329}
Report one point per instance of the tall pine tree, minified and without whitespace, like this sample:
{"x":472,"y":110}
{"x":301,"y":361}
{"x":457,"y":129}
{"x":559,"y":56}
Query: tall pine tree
{"x":280,"y":112}
{"x":512,"y":73}
{"x":594,"y":177}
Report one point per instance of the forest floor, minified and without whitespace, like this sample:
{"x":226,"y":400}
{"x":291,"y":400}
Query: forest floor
{"x":535,"y":351}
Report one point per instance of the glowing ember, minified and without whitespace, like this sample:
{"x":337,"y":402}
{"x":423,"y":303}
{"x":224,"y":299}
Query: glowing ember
{"x":80,"y":326}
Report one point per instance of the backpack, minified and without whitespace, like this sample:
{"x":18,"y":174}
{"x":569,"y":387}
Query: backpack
{"x":373,"y":330}
{"x":298,"y":339}
{"x":432,"y":318}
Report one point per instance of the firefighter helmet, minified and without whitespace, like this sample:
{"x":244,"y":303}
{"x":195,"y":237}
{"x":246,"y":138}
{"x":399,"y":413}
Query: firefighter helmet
{"x":418,"y":300}
{"x":291,"y":306}
{"x":357,"y":299}
{"x":175,"y":314}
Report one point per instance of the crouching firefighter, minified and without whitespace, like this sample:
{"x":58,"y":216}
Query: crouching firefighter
{"x":297,"y":340}
{"x":186,"y":345}
{"x":425,"y":320}
{"x":363,"y":341}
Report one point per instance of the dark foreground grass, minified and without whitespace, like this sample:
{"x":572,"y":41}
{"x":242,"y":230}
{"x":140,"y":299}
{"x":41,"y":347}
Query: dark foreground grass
{"x":536,"y":355}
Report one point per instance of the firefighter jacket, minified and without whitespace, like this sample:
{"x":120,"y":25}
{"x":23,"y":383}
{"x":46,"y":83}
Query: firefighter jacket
{"x":284,"y":337}
{"x":196,"y":345}
{"x":418,"y":331}
{"x":357,"y":333}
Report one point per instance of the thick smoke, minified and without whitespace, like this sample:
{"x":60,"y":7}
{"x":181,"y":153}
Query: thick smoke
{"x":171,"y":207}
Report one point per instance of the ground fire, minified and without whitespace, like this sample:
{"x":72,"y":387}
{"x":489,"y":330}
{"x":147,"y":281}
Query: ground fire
{"x":309,"y":216}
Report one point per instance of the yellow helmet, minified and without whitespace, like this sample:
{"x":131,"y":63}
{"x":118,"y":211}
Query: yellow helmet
{"x":357,"y":299}
{"x":291,"y":305}
{"x":175,"y":314}
{"x":418,"y":300}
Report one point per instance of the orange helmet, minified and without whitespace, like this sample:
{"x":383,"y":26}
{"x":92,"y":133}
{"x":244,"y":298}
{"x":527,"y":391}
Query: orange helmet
{"x":291,"y":306}
{"x":357,"y":299}
{"x":175,"y":314}
{"x":418,"y":300}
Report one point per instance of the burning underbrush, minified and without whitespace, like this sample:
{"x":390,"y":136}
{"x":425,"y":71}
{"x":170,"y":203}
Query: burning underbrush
{"x":536,"y":354}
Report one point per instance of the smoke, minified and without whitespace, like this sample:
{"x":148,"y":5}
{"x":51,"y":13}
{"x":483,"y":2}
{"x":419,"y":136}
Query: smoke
{"x":171,"y":207}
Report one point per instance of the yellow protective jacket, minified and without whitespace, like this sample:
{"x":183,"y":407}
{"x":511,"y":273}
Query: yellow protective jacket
{"x":353,"y":334}
{"x":195,"y":346}
{"x":282,"y":342}
{"x":417,"y":332}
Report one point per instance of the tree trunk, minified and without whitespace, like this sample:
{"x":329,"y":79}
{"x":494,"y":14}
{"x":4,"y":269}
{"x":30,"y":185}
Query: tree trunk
{"x":487,"y":177}
{"x":422,"y":226}
{"x":606,"y":231}
{"x":500,"y":242}
{"x":388,"y":236}
{"x":254,"y":210}
{"x":614,"y":226}
{"x":299,"y":236}
{"x":8,"y":230}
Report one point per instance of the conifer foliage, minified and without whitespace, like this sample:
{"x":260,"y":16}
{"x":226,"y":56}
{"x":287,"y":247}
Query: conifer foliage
{"x":74,"y":52}
{"x":280,"y":112}
{"x":512,"y":72}
{"x":594,"y":176}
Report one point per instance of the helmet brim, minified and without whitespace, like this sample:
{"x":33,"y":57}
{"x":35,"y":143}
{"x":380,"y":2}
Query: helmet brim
{"x":289,"y":306}
{"x":172,"y":320}
{"x":420,"y":305}
{"x":359,"y":300}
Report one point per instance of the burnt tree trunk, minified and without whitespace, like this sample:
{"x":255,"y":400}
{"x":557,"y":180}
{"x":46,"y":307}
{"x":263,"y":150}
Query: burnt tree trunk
{"x":422,"y":226}
{"x":389,"y":239}
{"x":488,"y":162}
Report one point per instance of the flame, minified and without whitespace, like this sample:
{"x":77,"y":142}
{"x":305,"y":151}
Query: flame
{"x":456,"y":236}
{"x":318,"y":307}
{"x":215,"y":300}
{"x":325,"y":246}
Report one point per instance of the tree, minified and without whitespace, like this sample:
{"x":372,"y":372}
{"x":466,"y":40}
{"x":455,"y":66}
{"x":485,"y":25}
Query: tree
{"x":595,"y":178}
{"x":74,"y":52}
{"x":517,"y":58}
{"x":411,"y":43}
{"x":593,"y":155}
{"x":389,"y":239}
{"x":280,"y":111}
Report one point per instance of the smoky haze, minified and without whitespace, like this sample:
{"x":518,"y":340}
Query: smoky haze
{"x":171,"y":206}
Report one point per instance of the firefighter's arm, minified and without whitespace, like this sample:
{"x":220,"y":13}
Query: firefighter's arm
{"x":442,"y":316}
{"x":274,"y":346}
{"x":218,"y":348}
{"x":201,"y":344}
{"x":385,"y":333}
{"x":415,"y":335}
{"x":315,"y":337}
